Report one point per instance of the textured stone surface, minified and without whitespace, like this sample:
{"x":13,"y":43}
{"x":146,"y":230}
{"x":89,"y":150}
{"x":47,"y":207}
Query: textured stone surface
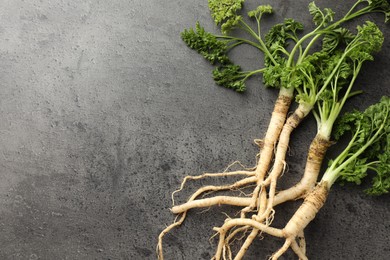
{"x":104,"y":110}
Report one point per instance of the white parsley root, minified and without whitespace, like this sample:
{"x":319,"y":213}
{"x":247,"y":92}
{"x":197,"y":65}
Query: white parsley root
{"x":320,"y":82}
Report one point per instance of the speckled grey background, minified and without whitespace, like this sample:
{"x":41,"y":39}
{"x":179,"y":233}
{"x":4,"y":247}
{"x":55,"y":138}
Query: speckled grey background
{"x":103,"y":110}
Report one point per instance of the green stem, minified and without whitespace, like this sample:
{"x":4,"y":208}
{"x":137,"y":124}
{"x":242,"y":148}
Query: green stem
{"x":240,"y":40}
{"x":247,"y":74}
{"x":346,"y":95}
{"x":352,"y":8}
{"x":283,"y":50}
{"x":359,"y":152}
{"x":360,"y":12}
{"x":328,"y":80}
{"x":231,"y":46}
{"x":347,"y":17}
{"x":355,"y":93}
{"x":333,"y":173}
{"x":328,"y":120}
{"x":257,"y":71}
{"x":258,"y":26}
{"x":250,"y":73}
{"x":331,"y":170}
{"x":372,"y":163}
{"x":346,"y":52}
{"x":248,"y":29}
{"x":350,"y":16}
{"x":299,"y":43}
{"x":308,"y":48}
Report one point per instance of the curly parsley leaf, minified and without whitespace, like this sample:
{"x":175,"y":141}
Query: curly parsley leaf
{"x":224,"y":13}
{"x":336,"y":38}
{"x":230,"y":76}
{"x":369,"y":148}
{"x":260,"y":10}
{"x":278,"y":35}
{"x":321,"y":18}
{"x":206,"y":44}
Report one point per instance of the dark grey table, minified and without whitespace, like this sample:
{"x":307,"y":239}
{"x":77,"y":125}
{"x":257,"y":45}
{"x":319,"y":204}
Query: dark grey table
{"x":104,"y":110}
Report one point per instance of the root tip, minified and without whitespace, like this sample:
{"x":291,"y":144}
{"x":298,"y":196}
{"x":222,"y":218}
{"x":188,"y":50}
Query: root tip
{"x":259,"y":142}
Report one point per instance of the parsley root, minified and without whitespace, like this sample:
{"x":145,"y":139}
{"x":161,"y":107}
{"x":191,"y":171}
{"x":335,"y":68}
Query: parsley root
{"x":318,"y":70}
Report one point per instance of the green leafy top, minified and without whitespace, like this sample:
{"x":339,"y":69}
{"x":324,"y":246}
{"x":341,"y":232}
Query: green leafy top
{"x":215,"y":50}
{"x":369,"y":40}
{"x":336,"y":38}
{"x":347,"y":65}
{"x":229,"y":76}
{"x":314,"y":71}
{"x":321,"y":17}
{"x":276,"y":73}
{"x":369,"y":148}
{"x":284,"y":67}
{"x":260,"y":10}
{"x":206,"y":44}
{"x":272,"y":75}
{"x":325,"y":70}
{"x":276,"y":38}
{"x":224,"y":13}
